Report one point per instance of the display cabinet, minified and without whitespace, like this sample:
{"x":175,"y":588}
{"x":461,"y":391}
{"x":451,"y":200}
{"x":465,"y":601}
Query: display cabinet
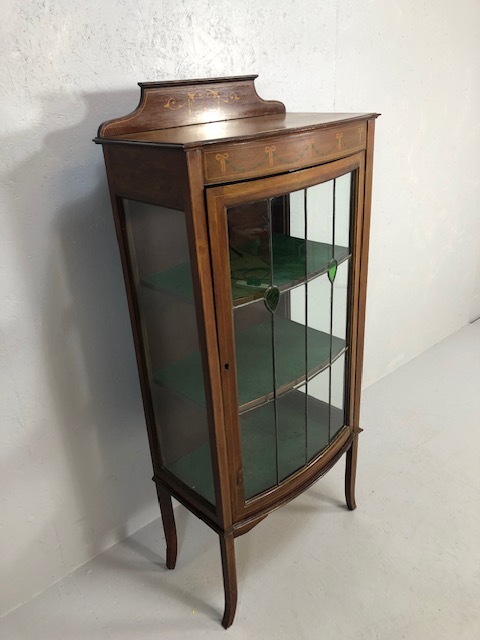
{"x":243,"y":234}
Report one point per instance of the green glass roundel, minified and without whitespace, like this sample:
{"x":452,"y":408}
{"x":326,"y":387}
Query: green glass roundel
{"x":271,"y":297}
{"x":332,"y":270}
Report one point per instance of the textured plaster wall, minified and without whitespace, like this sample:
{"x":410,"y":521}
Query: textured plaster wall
{"x":418,"y":64}
{"x":73,"y":453}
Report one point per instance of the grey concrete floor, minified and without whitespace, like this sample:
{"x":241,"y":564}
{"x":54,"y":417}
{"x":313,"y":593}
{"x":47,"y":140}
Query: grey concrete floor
{"x":405,"y":564}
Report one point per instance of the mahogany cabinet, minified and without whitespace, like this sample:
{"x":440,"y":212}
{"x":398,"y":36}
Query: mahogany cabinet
{"x":243,"y":233}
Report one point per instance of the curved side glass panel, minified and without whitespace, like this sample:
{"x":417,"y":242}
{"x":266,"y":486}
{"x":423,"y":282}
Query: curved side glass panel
{"x":160,"y":264}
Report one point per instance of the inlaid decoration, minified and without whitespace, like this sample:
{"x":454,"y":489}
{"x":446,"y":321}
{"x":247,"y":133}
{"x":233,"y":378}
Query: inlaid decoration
{"x":197,"y":100}
{"x":252,"y":159}
{"x":222,"y":159}
{"x":270,"y":150}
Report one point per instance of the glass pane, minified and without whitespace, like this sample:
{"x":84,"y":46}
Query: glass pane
{"x":320,"y":214}
{"x":162,"y":274}
{"x":259,"y":449}
{"x":249,"y":244}
{"x":291,"y":432}
{"x":290,"y":369}
{"x":297,"y":213}
{"x":253,"y":325}
{"x":288,"y":239}
{"x":318,"y":390}
{"x":343,"y":193}
{"x":321,"y":346}
{"x":319,"y":293}
{"x":328,"y":222}
{"x":340,"y":301}
{"x":337,"y":417}
{"x":290,"y":343}
{"x":298,"y":304}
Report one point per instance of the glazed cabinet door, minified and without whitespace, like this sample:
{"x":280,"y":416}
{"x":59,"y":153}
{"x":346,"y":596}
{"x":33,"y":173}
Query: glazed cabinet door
{"x":283,"y":252}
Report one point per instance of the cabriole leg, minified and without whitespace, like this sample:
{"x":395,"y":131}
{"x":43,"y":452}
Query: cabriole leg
{"x":166,"y":508}
{"x":227,"y":549}
{"x":350,"y":473}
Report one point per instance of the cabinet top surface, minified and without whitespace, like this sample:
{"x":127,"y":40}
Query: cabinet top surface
{"x":237,"y":130}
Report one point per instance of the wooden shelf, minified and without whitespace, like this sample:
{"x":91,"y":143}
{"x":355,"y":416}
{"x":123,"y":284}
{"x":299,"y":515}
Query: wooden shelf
{"x":251,"y":274}
{"x":299,"y":441}
{"x":255,"y":363}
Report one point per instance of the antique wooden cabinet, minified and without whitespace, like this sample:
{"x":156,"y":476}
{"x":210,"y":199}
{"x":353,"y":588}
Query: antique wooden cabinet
{"x":243,"y":233}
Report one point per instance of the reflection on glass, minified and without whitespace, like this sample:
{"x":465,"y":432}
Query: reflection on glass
{"x":249,"y":248}
{"x":170,"y":339}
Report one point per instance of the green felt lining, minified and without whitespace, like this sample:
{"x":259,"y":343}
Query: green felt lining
{"x":250,"y":273}
{"x":255,"y":374}
{"x":299,"y":441}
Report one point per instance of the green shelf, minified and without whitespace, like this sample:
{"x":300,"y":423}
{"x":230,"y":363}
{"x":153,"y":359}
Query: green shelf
{"x":255,"y":362}
{"x":251,"y":272}
{"x":298,"y":443}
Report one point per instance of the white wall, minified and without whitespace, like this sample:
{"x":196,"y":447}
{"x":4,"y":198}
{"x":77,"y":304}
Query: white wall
{"x":74,"y":464}
{"x":418,"y":64}
{"x":475,"y":306}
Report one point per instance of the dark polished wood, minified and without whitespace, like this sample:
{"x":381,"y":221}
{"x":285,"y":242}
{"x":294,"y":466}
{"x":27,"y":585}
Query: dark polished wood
{"x":188,"y":102}
{"x":200,"y":148}
{"x":168,"y":519}
{"x":208,"y":328}
{"x":146,"y":174}
{"x":227,"y":551}
{"x":351,"y":473}
{"x":362,"y":253}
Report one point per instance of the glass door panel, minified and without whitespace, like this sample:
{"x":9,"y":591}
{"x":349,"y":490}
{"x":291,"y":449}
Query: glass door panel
{"x":290,"y":266}
{"x":328,"y":307}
